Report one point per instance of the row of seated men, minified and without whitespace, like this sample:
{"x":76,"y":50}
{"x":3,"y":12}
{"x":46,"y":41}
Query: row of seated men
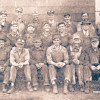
{"x":72,"y":59}
{"x":52,"y":47}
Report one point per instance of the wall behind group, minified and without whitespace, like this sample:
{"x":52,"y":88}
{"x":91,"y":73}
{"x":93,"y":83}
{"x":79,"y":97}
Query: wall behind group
{"x":74,"y":7}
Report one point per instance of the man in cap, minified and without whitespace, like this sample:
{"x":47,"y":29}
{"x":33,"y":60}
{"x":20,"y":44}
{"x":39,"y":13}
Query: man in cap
{"x":65,"y":37}
{"x":4,"y":63}
{"x":46,"y":35}
{"x":85,"y":19}
{"x":19,"y":59}
{"x":14,"y":33}
{"x":77,"y":61}
{"x":85,"y":35}
{"x":94,"y":54}
{"x":21,"y":23}
{"x":38,"y":63}
{"x":5,"y":25}
{"x":29,"y":36}
{"x":70,"y":26}
{"x":36,"y":21}
{"x":51,"y":20}
{"x":57,"y":58}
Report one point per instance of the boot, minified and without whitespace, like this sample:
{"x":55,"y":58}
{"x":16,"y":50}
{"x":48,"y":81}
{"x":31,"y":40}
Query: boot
{"x":47,"y":88}
{"x":29,"y":87}
{"x":66,"y":87}
{"x":35,"y":88}
{"x":71,"y":88}
{"x":4,"y":90}
{"x":87,"y":90}
{"x":55,"y":90}
{"x":11,"y":90}
{"x":82,"y":88}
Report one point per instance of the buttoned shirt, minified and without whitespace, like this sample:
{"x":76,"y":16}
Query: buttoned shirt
{"x":17,"y":57}
{"x":57,"y":54}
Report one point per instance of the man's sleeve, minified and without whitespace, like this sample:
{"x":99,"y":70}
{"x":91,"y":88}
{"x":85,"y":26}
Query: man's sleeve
{"x":65,"y":55}
{"x":12,"y":58}
{"x":49,"y":57}
{"x":27,"y":57}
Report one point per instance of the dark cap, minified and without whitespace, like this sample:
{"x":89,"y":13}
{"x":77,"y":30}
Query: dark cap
{"x":51,"y":12}
{"x":3,"y":13}
{"x":86,"y":23}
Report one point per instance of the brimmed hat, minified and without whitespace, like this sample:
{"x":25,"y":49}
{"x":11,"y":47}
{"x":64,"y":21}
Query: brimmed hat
{"x":19,"y":10}
{"x":3,"y":13}
{"x":51,"y":12}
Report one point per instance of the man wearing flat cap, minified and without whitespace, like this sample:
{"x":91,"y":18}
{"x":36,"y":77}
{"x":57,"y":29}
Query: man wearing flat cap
{"x":51,"y":20}
{"x":29,"y":36}
{"x":70,"y":26}
{"x":14,"y":33}
{"x":19,"y":59}
{"x":85,"y":19}
{"x":4,"y":63}
{"x":5,"y":25}
{"x":57,"y":58}
{"x":38,"y":63}
{"x":21,"y":23}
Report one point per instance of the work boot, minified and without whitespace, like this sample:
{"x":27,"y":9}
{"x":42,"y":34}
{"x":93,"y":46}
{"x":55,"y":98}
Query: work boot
{"x":66,"y":87}
{"x":87,"y":90}
{"x":11,"y":90}
{"x":47,"y":88}
{"x":4,"y":90}
{"x":71,"y":88}
{"x":29,"y":87}
{"x":35,"y":88}
{"x":82,"y":88}
{"x":55,"y":90}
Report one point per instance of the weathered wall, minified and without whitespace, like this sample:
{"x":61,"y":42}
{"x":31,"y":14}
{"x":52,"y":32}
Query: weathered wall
{"x":75,"y":7}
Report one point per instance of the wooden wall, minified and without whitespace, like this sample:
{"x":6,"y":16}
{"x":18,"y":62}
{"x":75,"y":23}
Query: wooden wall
{"x":75,"y":7}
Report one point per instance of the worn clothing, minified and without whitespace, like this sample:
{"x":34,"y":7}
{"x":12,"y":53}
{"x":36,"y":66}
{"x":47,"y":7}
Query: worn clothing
{"x":44,"y":73}
{"x":94,"y":56}
{"x":5,"y":27}
{"x":57,"y":54}
{"x":12,"y":37}
{"x":14,"y":70}
{"x":53,"y":72}
{"x":38,"y":55}
{"x":46,"y":40}
{"x":17,"y":57}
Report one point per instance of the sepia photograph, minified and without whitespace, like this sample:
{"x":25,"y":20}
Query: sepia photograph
{"x":49,"y":49}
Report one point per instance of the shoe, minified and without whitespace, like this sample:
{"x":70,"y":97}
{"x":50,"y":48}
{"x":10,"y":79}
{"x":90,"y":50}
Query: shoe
{"x":87,"y":91}
{"x":4,"y":90}
{"x":47,"y":89}
{"x":55,"y":90}
{"x":35,"y":88}
{"x":65,"y":89}
{"x":71,"y":88}
{"x":11,"y":90}
{"x":82,"y":88}
{"x":29,"y":87}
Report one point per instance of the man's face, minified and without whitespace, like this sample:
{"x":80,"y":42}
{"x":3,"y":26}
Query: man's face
{"x":95,"y":44}
{"x":85,"y":17}
{"x":20,"y":43}
{"x":36,"y":17}
{"x":14,"y":28}
{"x":85,"y":27}
{"x":31,"y":29}
{"x":3,"y":17}
{"x":2,"y":43}
{"x":67,"y":18}
{"x":77,"y":40}
{"x":56,"y":42}
{"x":37,"y":43}
{"x":51,"y":17}
{"x":61,"y":28}
{"x":46,"y":27}
{"x":19,"y":14}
